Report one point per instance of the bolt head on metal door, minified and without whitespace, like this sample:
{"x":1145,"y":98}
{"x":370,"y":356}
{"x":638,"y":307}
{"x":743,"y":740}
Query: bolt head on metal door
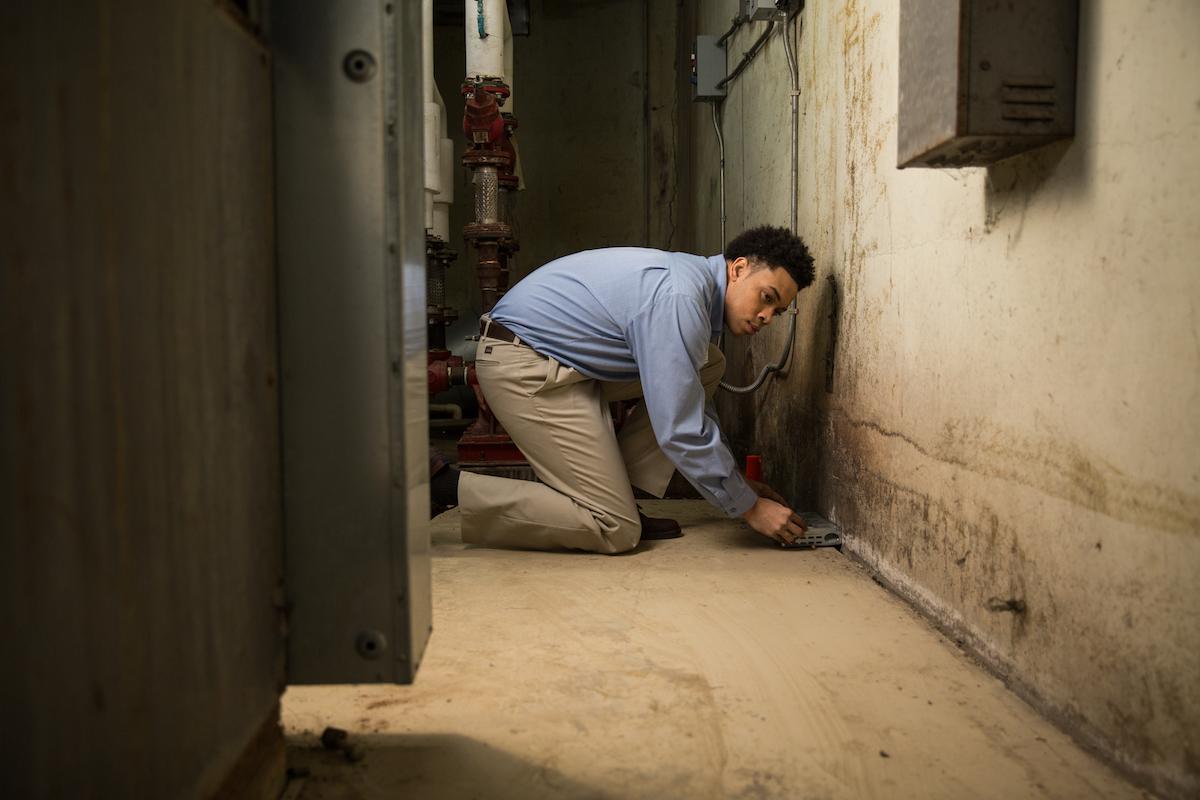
{"x":359,"y":66}
{"x":370,"y":644}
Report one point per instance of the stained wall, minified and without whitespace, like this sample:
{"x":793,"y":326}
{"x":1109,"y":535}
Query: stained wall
{"x":997,"y":373}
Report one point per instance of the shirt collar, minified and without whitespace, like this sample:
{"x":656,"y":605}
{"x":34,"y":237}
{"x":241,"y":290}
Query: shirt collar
{"x":717,"y":311}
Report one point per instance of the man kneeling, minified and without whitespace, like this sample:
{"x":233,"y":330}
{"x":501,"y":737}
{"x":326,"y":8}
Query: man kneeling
{"x":618,"y":324}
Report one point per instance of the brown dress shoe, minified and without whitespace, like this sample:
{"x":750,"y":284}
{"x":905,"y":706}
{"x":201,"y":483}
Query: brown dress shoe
{"x":659,"y":527}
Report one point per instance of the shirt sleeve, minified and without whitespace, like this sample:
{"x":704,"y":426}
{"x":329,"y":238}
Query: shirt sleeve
{"x":669,"y":340}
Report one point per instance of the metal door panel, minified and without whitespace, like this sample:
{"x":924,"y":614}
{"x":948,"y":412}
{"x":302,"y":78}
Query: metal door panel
{"x":350,"y":233}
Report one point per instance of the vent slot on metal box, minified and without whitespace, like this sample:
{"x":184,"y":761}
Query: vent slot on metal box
{"x":1028,"y":99}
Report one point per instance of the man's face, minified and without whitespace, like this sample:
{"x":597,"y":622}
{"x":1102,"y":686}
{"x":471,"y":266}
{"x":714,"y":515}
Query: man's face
{"x":754,"y":297}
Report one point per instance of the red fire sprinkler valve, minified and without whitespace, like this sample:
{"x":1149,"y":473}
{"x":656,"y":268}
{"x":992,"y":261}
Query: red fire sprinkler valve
{"x":482,"y":121}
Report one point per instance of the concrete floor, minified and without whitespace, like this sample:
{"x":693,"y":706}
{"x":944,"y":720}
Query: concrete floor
{"x":711,"y":666}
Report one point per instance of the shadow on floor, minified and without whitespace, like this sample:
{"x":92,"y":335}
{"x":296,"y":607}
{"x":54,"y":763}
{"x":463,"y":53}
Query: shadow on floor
{"x":426,"y":766}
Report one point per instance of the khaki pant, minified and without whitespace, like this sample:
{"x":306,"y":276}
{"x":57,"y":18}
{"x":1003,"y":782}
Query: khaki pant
{"x":560,"y":419}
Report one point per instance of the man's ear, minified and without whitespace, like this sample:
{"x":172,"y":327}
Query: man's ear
{"x":738,"y":268}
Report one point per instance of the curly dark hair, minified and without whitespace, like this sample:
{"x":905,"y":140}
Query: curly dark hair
{"x":776,"y":248}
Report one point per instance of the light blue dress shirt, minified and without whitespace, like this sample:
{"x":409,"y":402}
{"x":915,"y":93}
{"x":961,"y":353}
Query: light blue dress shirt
{"x":629,"y":313}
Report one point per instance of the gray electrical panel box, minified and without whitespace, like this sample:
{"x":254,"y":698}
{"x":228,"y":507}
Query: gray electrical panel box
{"x":755,"y":10}
{"x":711,"y":68}
{"x":763,"y":10}
{"x":982,"y":80}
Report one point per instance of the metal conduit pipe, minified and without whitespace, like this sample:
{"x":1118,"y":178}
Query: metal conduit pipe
{"x":738,"y":21}
{"x":747,"y":57}
{"x":784,"y":357}
{"x":716,"y":116}
{"x":794,"y":69}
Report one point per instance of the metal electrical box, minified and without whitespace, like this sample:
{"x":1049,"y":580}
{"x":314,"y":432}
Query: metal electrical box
{"x":710,"y":68}
{"x":351,"y":268}
{"x":982,"y":80}
{"x":762,"y":10}
{"x":756,"y":10}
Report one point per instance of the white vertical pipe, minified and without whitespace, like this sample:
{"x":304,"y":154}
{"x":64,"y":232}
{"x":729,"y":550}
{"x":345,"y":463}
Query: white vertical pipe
{"x":447,"y":164}
{"x":441,"y":221}
{"x":433,"y":114}
{"x":492,"y":55}
{"x":486,"y":54}
{"x":509,"y":106}
{"x":445,"y":196}
{"x":427,"y":50}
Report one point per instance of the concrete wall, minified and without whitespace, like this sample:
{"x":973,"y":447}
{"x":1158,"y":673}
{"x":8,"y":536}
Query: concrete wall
{"x":1012,"y":410}
{"x":140,"y":559}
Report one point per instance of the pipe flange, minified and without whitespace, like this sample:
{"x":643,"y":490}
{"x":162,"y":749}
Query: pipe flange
{"x":486,"y":230}
{"x":493,"y":86}
{"x":474,"y":159}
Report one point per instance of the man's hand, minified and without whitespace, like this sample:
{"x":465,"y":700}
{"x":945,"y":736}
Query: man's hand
{"x":762,"y":490}
{"x":775,"y":521}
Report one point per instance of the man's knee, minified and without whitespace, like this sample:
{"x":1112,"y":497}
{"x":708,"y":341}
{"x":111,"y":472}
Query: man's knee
{"x":622,"y":534}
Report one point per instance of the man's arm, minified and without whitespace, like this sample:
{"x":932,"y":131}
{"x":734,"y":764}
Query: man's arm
{"x":669,"y":341}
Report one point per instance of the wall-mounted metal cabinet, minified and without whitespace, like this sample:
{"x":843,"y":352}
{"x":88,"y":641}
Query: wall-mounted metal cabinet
{"x":982,"y":80}
{"x":710,"y":68}
{"x":351,"y":260}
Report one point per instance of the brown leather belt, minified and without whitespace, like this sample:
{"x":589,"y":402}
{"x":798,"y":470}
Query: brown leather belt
{"x":495,"y":330}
